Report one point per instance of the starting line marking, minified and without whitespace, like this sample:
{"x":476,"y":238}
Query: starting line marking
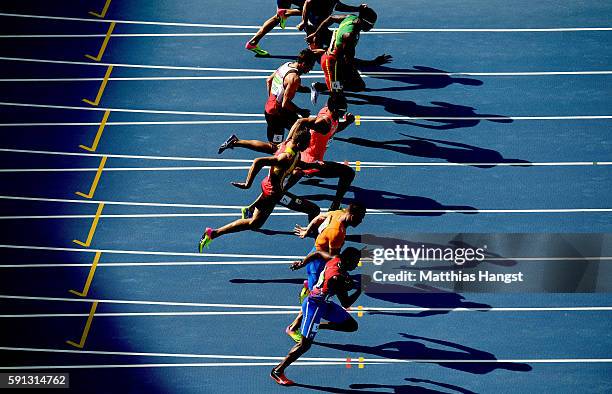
{"x":90,"y":277}
{"x":90,"y":317}
{"x":104,"y":44}
{"x":94,"y":184}
{"x":96,"y":102}
{"x":96,"y":140}
{"x":102,"y":14}
{"x":92,"y":229}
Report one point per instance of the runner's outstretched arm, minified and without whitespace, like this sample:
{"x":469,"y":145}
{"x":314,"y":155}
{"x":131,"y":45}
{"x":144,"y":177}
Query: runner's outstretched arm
{"x":377,"y":61}
{"x":318,"y":254}
{"x":257,"y":165}
{"x":316,"y":222}
{"x":324,"y":25}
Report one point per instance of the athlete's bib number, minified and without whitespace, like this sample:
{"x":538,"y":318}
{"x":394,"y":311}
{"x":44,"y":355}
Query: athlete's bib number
{"x":286,"y":200}
{"x":278,"y":138}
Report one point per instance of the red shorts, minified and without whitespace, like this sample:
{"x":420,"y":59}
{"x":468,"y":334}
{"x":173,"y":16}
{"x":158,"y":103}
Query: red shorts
{"x":329,"y":64}
{"x":267,"y":188}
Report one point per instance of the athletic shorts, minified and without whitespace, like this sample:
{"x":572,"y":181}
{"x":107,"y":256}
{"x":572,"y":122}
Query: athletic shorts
{"x":313,"y":270}
{"x":286,"y":4}
{"x":277,"y":123}
{"x":314,"y":310}
{"x":339,"y":75}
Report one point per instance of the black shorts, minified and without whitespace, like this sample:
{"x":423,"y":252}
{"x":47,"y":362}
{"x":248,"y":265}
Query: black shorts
{"x":277,"y":123}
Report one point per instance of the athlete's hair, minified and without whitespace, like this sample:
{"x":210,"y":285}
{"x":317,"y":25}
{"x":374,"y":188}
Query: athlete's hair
{"x":368,"y":14}
{"x":350,"y":254}
{"x":307,"y":56}
{"x":301,"y":136}
{"x":357,"y":209}
{"x":336,"y":101}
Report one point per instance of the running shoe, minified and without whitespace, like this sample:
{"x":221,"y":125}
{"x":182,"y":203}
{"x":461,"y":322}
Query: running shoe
{"x":282,"y":18}
{"x":256,"y":49}
{"x":295,"y":335}
{"x":246,"y":212}
{"x":314,"y":93}
{"x":228,"y":144}
{"x":304,"y":292}
{"x":206,"y":239}
{"x":280,"y":378}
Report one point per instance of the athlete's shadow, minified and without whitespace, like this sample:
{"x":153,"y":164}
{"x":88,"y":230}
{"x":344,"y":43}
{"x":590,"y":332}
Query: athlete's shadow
{"x":282,"y":57}
{"x":420,"y":78}
{"x":366,"y":388}
{"x":292,"y":281}
{"x":417,"y":349}
{"x":450,"y":116}
{"x":265,"y":231}
{"x":452,"y":152}
{"x":379,"y":199}
{"x":419,"y":295}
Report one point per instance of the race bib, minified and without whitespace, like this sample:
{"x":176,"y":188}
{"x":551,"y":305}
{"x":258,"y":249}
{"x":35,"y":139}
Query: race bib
{"x":278,"y":138}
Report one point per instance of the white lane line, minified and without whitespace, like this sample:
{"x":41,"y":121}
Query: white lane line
{"x":294,"y":308}
{"x":286,"y":312}
{"x":150,"y":35}
{"x":144,"y":111}
{"x":237,"y":214}
{"x":363,"y":165}
{"x":205,"y":25}
{"x":194,"y":78}
{"x":364,"y":118}
{"x":250,"y":77}
{"x":157,"y":253}
{"x":173,"y":365}
{"x":245,"y":262}
{"x":147,"y":314}
{"x":110,"y":169}
{"x":187,"y":122}
{"x":151,"y":264}
{"x":146,"y":252}
{"x":165,"y":303}
{"x":128,"y":203}
{"x":269,"y":364}
{"x":143,"y":66}
{"x":306,"y":359}
{"x":367,"y":118}
{"x":364,"y":74}
{"x":312,"y":74}
{"x":352,"y":163}
{"x":142,"y":216}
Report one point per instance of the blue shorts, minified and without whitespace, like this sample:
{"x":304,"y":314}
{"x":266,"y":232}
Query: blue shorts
{"x":315,"y":310}
{"x":313,"y":270}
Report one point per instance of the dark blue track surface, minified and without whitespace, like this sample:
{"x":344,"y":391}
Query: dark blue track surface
{"x":523,"y":340}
